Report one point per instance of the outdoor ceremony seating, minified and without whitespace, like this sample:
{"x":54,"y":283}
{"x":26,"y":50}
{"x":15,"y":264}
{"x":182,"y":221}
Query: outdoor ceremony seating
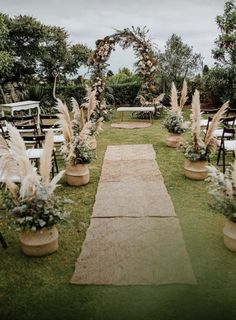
{"x":34,"y":153}
{"x":227,"y":122}
{"x":226,"y":145}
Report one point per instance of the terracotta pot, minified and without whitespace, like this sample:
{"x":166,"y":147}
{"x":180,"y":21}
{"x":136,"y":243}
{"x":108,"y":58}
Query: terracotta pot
{"x":77,"y":175}
{"x":230,"y":235}
{"x":195,"y":170}
{"x":92,"y":143}
{"x":174,"y":140}
{"x":39,"y":243}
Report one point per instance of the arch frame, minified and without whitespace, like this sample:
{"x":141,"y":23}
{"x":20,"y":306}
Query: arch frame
{"x":146,"y":63}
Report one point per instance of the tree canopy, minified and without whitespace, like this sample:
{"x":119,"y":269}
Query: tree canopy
{"x":225,"y":51}
{"x":178,"y":60}
{"x":31,"y":50}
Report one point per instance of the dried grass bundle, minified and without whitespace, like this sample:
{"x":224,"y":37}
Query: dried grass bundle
{"x":196,"y":118}
{"x":184,"y":95}
{"x":64,"y":120}
{"x":210,"y":140}
{"x":174,"y":100}
{"x":159,"y":98}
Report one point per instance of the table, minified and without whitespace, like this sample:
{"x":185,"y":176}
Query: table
{"x":150,"y":110}
{"x":23,"y":105}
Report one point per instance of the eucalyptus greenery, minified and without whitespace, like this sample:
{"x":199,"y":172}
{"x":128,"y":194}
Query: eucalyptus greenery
{"x":174,"y":123}
{"x":33,"y":214}
{"x":223,"y":188}
{"x":193,"y":155}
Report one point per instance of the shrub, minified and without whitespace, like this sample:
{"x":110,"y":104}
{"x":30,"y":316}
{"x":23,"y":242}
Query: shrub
{"x":220,"y":85}
{"x":125,"y":93}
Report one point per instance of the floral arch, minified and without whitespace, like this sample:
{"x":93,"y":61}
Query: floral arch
{"x":146,"y":64}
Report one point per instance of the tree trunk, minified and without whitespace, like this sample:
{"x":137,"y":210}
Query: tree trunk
{"x":3,"y":94}
{"x":54,"y":87}
{"x":13,"y":93}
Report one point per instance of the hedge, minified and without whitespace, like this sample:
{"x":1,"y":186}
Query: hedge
{"x":125,"y":93}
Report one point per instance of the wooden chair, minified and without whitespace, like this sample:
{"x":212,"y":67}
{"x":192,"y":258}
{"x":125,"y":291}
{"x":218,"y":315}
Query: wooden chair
{"x":205,"y":122}
{"x":58,"y":138}
{"x":34,"y":153}
{"x":227,"y":122}
{"x":47,"y":118}
{"x":27,"y":128}
{"x":3,"y":128}
{"x":24,"y":120}
{"x":231,"y":111}
{"x":227,"y":144}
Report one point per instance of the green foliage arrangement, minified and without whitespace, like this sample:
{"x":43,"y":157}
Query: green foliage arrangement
{"x":174,"y":122}
{"x":32,"y":205}
{"x":223,"y":188}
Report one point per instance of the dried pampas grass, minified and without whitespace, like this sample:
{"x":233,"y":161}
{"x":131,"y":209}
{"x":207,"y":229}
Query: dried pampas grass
{"x":184,"y":95}
{"x":174,"y":100}
{"x":64,"y":120}
{"x":46,"y":157}
{"x":196,"y":118}
{"x":210,"y":140}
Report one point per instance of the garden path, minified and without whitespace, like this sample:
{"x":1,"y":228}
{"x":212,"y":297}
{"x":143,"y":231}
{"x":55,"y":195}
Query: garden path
{"x":134,"y":237}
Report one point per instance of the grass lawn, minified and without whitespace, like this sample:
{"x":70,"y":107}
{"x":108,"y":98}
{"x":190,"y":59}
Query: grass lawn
{"x":39,"y":288}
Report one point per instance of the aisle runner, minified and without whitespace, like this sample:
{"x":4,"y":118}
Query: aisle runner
{"x":134,"y":237}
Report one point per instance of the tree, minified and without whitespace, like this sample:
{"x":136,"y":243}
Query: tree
{"x":6,"y":57}
{"x":78,"y":55}
{"x":124,"y":75}
{"x":225,"y":51}
{"x":54,"y":54}
{"x":220,"y":82}
{"x":26,"y":35}
{"x":177,"y":62}
{"x":59,"y":58}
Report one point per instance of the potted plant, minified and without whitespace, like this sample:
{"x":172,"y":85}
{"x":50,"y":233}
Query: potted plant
{"x":174,"y":122}
{"x":198,"y":151}
{"x":223,"y":188}
{"x":77,"y":148}
{"x":33,"y":207}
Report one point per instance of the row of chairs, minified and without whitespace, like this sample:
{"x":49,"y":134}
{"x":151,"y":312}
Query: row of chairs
{"x":34,"y":134}
{"x":29,"y":124}
{"x":225,"y":136}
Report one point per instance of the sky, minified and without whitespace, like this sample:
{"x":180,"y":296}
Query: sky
{"x":89,"y":20}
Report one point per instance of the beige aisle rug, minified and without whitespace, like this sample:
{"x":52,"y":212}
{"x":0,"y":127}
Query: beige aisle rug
{"x":134,"y":237}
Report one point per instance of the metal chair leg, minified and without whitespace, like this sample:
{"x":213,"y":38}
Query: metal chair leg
{"x":2,"y":241}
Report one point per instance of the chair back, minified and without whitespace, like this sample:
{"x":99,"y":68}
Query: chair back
{"x":229,"y":121}
{"x":27,"y":128}
{"x":230,"y":111}
{"x":46,"y":127}
{"x":228,"y":133}
{"x":35,"y":140}
{"x":45,"y":117}
{"x":209,"y":111}
{"x":29,"y":119}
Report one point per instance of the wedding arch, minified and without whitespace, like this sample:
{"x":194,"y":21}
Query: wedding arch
{"x":146,"y":64}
